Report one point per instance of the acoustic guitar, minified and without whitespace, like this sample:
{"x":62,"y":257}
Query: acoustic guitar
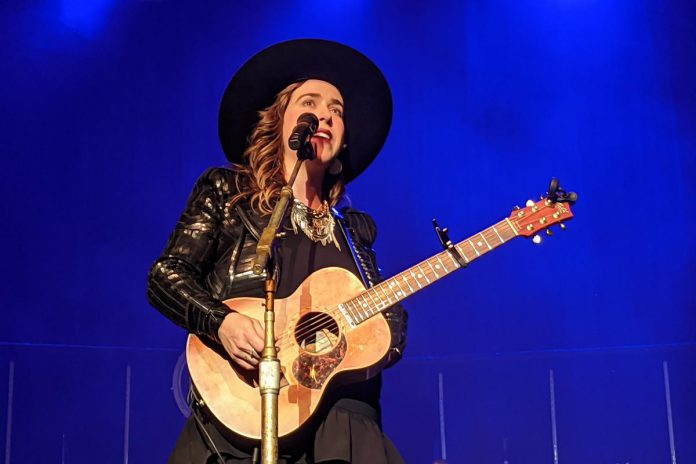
{"x":331,"y":329}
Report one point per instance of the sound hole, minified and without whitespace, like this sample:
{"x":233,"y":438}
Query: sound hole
{"x":316,"y":332}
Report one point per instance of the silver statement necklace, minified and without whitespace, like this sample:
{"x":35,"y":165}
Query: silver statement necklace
{"x":318,"y":224}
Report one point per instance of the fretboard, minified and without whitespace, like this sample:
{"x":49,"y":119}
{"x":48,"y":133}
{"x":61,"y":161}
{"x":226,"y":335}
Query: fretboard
{"x":415,"y":278}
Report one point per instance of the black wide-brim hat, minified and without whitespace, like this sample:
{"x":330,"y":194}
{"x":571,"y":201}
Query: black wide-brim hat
{"x":366,"y":95}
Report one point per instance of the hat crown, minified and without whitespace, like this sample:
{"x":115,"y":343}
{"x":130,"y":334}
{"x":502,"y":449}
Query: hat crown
{"x":365,"y":91}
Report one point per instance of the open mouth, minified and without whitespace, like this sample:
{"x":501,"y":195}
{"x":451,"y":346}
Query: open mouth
{"x":323,"y":135}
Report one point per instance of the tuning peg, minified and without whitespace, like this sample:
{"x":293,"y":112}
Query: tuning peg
{"x":563,"y":226}
{"x":536,"y":239}
{"x":529,"y":203}
{"x":549,"y":232}
{"x":516,"y":208}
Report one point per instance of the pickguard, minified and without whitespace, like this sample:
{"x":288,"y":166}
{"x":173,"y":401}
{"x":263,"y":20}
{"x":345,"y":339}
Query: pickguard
{"x":312,"y":370}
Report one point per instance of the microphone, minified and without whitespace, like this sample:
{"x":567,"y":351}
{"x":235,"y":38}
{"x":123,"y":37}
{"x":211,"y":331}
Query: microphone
{"x":307,"y":125}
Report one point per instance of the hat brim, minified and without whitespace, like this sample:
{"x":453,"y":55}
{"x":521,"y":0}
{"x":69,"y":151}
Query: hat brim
{"x":365,"y":91}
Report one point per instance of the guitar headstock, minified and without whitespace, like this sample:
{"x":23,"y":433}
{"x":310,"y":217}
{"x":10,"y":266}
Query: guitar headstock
{"x":538,"y":216}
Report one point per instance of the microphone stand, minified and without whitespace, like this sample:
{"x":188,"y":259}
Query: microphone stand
{"x":269,"y":367}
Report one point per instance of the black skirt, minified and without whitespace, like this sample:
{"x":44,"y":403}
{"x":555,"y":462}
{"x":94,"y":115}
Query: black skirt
{"x":349,"y":432}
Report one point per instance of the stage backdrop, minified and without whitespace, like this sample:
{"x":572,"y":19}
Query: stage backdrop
{"x":577,"y":350}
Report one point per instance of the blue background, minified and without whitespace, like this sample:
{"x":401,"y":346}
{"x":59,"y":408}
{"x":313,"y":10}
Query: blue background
{"x":108,"y":116}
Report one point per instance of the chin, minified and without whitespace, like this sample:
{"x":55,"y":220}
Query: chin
{"x":325,"y":158}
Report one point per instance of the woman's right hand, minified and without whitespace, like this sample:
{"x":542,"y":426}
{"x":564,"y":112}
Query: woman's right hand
{"x":242,"y":337}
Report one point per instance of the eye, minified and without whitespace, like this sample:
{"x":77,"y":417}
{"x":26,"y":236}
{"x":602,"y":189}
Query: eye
{"x":337,"y":111}
{"x":308,"y":103}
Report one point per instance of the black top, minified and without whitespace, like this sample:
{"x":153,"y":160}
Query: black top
{"x":299,"y":257}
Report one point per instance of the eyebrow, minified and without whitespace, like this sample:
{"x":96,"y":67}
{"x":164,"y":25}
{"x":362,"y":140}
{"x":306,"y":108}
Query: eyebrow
{"x":333,"y":101}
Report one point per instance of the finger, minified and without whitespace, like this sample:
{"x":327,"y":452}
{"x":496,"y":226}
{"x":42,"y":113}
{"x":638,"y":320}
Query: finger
{"x":243,"y":361}
{"x":230,"y":349}
{"x":254,"y":354}
{"x":250,"y":355}
{"x":258,"y":328}
{"x":255,"y":342}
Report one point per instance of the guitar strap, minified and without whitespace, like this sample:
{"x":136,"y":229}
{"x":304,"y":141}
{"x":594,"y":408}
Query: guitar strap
{"x":349,"y":236}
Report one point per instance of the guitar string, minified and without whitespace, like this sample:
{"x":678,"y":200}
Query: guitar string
{"x":320,"y":323}
{"x":380,"y":286}
{"x":316,"y":324}
{"x":425,"y":270}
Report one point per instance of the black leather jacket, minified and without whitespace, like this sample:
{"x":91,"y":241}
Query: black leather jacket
{"x":208,"y":259}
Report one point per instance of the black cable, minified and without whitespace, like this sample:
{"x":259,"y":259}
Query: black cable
{"x":195,"y":403}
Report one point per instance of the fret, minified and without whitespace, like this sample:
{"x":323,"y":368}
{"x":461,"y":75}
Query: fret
{"x":414,"y":278}
{"x":441,"y":263}
{"x":396,"y":281}
{"x":354,"y":310}
{"x":371,"y":311}
{"x":462,"y":252}
{"x":406,"y":281}
{"x":499,"y":236}
{"x":431,"y":267}
{"x":474,"y":248}
{"x":364,"y":313}
{"x":486,"y":241}
{"x":346,"y":314}
{"x":369,"y":293}
{"x":381,"y":303}
{"x":511,"y":226}
{"x":365,"y":304}
{"x":455,"y":262}
{"x":381,"y":287}
{"x":390,"y":286}
{"x":356,"y":313}
{"x":401,"y":293}
{"x":422,"y":273}
{"x":348,"y":311}
{"x":491,"y":240}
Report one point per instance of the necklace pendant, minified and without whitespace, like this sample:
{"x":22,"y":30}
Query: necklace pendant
{"x":317,"y":225}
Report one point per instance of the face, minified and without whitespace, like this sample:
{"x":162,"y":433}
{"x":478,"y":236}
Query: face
{"x":326,"y":103}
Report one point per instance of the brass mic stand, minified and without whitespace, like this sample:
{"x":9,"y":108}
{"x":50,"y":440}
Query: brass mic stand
{"x":269,"y":367}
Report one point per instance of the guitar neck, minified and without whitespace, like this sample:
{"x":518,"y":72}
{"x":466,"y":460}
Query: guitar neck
{"x":415,"y":278}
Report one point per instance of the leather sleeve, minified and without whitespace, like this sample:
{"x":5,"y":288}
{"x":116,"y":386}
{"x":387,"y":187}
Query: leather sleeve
{"x":365,"y":229}
{"x":175,"y":282}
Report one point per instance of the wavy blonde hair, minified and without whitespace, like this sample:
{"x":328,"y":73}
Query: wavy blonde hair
{"x":262,"y":175}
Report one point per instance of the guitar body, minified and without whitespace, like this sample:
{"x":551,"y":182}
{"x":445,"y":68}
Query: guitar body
{"x":317,"y":347}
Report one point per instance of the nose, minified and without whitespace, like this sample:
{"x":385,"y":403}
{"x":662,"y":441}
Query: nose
{"x":325,"y":114}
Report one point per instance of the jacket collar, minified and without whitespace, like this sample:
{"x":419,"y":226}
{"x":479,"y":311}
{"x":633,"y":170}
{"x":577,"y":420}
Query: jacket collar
{"x":255,"y":222}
